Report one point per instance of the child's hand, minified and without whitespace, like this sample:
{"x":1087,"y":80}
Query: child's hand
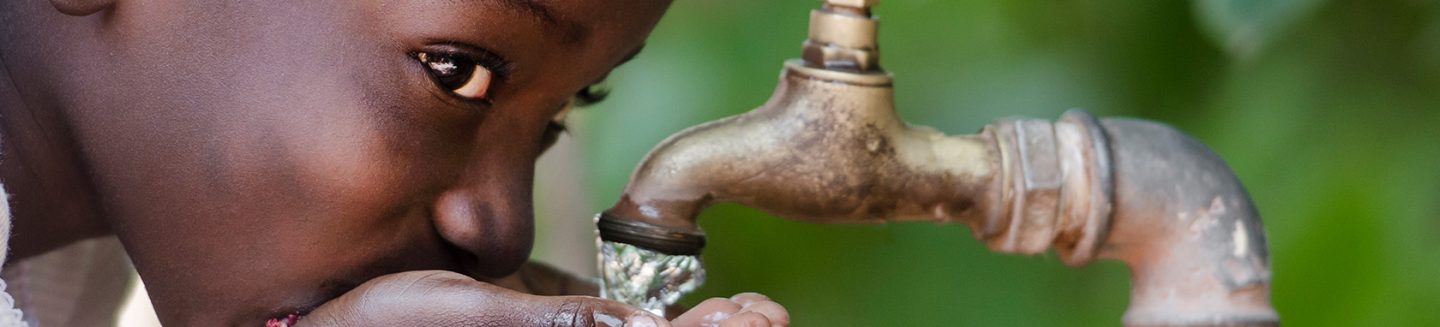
{"x":745,"y":309}
{"x":442,"y":298}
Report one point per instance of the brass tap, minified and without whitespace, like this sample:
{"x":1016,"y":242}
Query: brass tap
{"x":828,"y":147}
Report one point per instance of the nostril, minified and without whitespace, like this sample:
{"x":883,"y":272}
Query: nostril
{"x":498,"y":234}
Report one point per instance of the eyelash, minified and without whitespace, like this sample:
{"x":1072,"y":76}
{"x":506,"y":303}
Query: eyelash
{"x":590,"y":95}
{"x":584,"y":98}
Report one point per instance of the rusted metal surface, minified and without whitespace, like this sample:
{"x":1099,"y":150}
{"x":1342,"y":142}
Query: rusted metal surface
{"x":1033,"y":189}
{"x":1187,"y":229}
{"x":1145,"y":194}
{"x":828,"y":148}
{"x":843,"y":37}
{"x":822,"y":151}
{"x":854,"y":3}
{"x":1086,"y":197}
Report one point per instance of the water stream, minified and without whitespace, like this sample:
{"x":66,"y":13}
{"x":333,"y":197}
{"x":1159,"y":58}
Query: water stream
{"x":646,"y":279}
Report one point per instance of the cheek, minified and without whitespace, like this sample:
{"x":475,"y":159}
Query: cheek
{"x":374,"y":171}
{"x":352,"y":197}
{"x":285,"y":203}
{"x":349,"y":167}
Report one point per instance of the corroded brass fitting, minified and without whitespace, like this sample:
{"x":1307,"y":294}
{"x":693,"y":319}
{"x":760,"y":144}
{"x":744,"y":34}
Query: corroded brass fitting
{"x":843,"y":37}
{"x":1056,"y":187}
{"x":828,"y":147}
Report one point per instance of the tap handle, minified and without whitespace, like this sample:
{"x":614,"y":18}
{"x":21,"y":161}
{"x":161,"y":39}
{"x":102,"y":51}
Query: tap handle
{"x":843,"y":37}
{"x":857,"y":4}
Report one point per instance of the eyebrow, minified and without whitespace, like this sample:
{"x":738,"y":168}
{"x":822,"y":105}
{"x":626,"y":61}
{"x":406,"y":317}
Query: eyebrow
{"x":569,"y":31}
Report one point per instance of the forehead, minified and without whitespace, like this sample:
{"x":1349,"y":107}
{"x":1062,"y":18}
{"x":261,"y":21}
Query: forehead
{"x":566,"y":19}
{"x":560,"y":25}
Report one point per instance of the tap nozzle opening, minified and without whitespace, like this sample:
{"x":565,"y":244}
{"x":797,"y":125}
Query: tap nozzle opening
{"x":653,"y":237}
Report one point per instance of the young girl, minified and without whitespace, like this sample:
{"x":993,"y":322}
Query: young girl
{"x":363,"y":162}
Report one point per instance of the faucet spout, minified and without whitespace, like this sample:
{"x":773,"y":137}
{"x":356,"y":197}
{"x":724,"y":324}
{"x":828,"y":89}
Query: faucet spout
{"x":826,"y":148}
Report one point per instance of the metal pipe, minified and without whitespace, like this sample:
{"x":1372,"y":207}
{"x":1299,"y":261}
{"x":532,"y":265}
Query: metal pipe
{"x":1187,"y":229}
{"x":828,"y":148}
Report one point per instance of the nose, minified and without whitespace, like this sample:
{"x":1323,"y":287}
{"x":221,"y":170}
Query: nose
{"x":488,"y":216}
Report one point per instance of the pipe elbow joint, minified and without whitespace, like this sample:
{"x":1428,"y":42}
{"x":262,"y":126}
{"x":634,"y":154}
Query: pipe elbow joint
{"x":1187,"y":229}
{"x":1145,"y":194}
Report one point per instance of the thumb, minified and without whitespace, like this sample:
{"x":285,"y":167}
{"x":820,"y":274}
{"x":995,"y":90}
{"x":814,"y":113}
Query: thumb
{"x":442,"y":298}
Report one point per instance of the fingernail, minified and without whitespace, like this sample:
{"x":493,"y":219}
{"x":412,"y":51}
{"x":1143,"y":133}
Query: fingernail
{"x":641,"y":320}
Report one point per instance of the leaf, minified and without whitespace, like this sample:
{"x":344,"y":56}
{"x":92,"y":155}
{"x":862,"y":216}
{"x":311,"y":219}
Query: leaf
{"x":1243,"y":27}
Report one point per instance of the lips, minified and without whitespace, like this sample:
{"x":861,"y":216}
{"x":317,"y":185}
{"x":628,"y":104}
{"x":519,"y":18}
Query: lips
{"x":287,"y":321}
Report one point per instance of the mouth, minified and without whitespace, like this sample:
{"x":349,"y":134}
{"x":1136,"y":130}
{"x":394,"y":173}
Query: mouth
{"x":289,"y":315}
{"x":428,"y":252}
{"x":287,"y":321}
{"x":292,"y":311}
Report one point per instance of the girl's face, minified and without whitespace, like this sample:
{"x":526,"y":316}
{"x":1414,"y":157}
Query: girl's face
{"x":260,"y":158}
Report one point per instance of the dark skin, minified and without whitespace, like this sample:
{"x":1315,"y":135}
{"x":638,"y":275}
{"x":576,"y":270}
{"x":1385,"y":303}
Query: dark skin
{"x":268,"y":157}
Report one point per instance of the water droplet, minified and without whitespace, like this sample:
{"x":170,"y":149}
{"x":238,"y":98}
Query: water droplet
{"x":646,"y":279}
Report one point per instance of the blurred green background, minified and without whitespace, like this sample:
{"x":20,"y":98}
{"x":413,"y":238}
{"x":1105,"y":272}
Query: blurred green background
{"x":1327,"y":110}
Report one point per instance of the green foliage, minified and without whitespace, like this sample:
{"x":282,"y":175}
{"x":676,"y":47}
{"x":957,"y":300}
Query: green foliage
{"x":1326,"y":110}
{"x":1242,"y":27}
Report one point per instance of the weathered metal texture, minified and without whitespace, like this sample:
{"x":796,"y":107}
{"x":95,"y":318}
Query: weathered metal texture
{"x":1145,"y":194}
{"x":854,"y":3}
{"x":1187,"y":229}
{"x":821,"y":150}
{"x":1086,"y":199}
{"x":843,"y":37}
{"x":1032,"y":188}
{"x":828,"y":148}
{"x":1058,"y":186}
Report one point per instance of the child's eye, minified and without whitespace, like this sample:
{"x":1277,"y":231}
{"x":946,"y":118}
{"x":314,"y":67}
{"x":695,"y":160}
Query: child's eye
{"x":462,"y":76}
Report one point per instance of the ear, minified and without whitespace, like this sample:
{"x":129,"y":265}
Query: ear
{"x":81,"y":7}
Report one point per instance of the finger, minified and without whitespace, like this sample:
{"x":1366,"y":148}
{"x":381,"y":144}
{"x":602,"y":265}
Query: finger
{"x":708,"y":313}
{"x":745,"y":299}
{"x":588,"y":311}
{"x":746,"y":319}
{"x":443,"y":298}
{"x":772,"y":311}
